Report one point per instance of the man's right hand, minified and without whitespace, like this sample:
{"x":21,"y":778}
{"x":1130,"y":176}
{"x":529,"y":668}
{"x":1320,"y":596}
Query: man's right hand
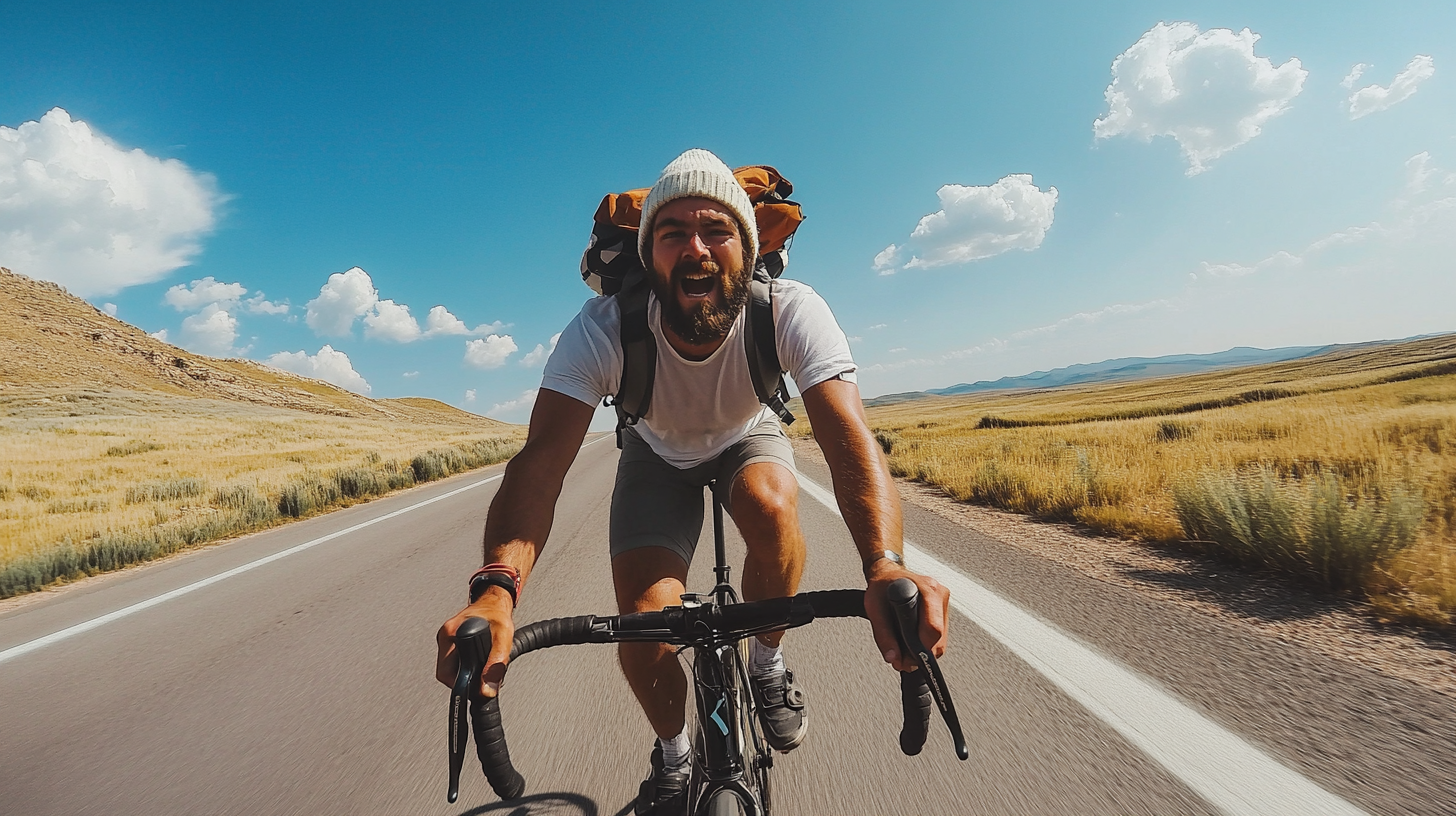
{"x":496,"y":607}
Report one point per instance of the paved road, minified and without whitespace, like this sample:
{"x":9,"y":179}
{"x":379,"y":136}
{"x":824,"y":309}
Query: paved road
{"x":304,"y":685}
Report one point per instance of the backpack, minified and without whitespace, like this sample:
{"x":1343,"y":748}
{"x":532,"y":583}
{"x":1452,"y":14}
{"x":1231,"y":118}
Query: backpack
{"x":611,"y":266}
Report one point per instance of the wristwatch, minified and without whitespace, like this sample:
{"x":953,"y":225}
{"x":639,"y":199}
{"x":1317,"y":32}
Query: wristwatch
{"x":888,"y":555}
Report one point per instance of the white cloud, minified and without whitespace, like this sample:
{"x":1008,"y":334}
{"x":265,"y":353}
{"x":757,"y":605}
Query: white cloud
{"x":328,"y":365}
{"x":878,"y":326}
{"x":78,"y":209}
{"x":391,"y":321}
{"x":470,"y":396}
{"x":410,"y":375}
{"x":346,"y":296}
{"x":257,"y":304}
{"x":1373,"y":98}
{"x":516,"y":410}
{"x":1277,"y":261}
{"x":975,"y":223}
{"x":109,"y":308}
{"x":210,"y":331}
{"x":350,"y":295}
{"x":490,"y":352}
{"x":188,"y":297}
{"x":440,"y":321}
{"x":1421,"y":176}
{"x":159,"y":334}
{"x":1206,"y":90}
{"x":538,"y":355}
{"x":887,"y":260}
{"x":193,"y":296}
{"x":1356,"y":71}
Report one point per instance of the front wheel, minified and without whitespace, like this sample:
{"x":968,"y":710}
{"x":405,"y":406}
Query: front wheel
{"x":724,"y":803}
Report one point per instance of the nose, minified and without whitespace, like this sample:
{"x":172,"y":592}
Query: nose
{"x":697,"y":247}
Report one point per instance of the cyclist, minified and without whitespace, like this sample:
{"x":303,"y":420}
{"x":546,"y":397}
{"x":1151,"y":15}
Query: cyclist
{"x":698,"y":240}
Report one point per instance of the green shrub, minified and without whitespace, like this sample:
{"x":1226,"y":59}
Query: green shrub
{"x":360,"y":482}
{"x":35,"y":492}
{"x":442,"y":462}
{"x":253,"y":508}
{"x":1312,"y":528}
{"x":1170,"y":430}
{"x":132,"y":446}
{"x":309,"y":493}
{"x":89,"y":505}
{"x":166,"y":490}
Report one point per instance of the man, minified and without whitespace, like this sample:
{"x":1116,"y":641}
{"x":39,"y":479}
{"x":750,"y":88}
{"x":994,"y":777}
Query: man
{"x":698,"y":241}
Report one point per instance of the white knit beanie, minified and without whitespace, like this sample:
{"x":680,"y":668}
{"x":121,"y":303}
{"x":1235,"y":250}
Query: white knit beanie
{"x":698,"y":174}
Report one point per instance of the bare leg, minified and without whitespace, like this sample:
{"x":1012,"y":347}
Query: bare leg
{"x":648,"y":579}
{"x":765,"y":507}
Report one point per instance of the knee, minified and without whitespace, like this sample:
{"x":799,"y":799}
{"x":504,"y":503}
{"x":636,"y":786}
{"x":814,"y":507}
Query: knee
{"x":638,"y":656}
{"x":766,"y":494}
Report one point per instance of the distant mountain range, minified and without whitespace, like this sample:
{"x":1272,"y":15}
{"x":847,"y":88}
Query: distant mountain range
{"x":1120,"y":370}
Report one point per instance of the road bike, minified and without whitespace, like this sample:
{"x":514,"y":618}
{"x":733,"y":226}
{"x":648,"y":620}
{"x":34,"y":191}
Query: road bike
{"x":731,"y":758}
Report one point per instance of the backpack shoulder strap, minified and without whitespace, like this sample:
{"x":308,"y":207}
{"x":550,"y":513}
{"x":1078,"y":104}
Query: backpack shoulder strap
{"x":639,"y":354}
{"x":761,"y":344}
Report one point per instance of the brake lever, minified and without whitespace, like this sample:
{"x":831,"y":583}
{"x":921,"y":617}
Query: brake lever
{"x":904,"y":598}
{"x":471,"y":650}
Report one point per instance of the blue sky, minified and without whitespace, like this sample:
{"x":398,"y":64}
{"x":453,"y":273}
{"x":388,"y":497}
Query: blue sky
{"x":1212,"y":188}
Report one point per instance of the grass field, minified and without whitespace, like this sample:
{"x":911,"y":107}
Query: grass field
{"x":92,"y":480}
{"x":1338,"y":470}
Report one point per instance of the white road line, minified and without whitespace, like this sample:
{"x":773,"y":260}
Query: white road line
{"x":72,"y":631}
{"x":1231,"y":774}
{"x":86,"y":626}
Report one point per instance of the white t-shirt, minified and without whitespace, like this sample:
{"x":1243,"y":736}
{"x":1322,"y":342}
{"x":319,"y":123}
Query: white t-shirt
{"x":699,"y":408}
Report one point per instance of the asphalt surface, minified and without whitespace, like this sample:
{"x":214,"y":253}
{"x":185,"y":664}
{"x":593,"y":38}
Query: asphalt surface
{"x":305,"y":685}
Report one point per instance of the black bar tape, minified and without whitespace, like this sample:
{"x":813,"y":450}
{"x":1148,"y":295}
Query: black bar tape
{"x":490,"y":746}
{"x":916,"y":700}
{"x":835,"y":603}
{"x":775,"y":613}
{"x":554,"y":632}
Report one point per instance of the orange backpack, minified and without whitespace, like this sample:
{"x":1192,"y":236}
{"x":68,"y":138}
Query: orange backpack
{"x":610,"y":266}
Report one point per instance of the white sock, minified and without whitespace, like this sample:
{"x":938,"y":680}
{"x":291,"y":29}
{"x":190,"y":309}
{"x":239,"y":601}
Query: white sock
{"x":763,"y":659}
{"x":675,"y":752}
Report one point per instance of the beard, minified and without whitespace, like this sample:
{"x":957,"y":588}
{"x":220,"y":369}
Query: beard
{"x":706,"y":321}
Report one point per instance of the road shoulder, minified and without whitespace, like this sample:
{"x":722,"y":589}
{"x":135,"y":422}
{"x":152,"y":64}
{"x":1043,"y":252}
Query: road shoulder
{"x":1267,"y":606}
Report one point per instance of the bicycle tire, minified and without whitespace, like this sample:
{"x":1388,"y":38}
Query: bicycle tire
{"x":757,"y":756}
{"x":724,"y":803}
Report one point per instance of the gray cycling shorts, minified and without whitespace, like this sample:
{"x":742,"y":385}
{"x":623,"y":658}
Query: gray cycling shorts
{"x":655,"y":504}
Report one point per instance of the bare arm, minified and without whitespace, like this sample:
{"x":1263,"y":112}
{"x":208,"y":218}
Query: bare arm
{"x":517,"y":526}
{"x":871,"y":506}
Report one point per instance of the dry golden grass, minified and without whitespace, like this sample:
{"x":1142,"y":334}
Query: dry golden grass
{"x":1381,"y":420}
{"x":79,"y":465}
{"x":116,"y":447}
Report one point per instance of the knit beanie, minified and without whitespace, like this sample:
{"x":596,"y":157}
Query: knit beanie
{"x":698,"y":174}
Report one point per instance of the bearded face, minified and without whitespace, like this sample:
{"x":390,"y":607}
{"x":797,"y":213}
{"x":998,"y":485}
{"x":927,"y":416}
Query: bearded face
{"x":707,"y":318}
{"x":700,"y":269}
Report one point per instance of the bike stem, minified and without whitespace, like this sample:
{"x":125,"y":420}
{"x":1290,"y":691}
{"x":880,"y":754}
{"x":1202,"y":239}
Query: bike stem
{"x":721,"y":571}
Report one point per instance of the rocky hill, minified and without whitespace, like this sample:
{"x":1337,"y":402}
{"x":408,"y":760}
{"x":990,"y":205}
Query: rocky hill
{"x":50,"y":338}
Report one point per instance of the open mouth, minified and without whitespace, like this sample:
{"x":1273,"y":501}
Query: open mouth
{"x":697,"y":287}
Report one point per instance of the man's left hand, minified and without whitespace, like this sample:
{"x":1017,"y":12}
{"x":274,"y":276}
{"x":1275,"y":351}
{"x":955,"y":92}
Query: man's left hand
{"x":934,"y":613}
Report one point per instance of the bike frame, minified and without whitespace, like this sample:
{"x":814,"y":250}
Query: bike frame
{"x":720,"y":680}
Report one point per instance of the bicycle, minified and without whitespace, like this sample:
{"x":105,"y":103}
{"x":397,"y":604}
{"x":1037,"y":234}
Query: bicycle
{"x":731,"y":758}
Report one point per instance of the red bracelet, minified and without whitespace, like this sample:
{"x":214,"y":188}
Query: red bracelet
{"x":504,"y":571}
